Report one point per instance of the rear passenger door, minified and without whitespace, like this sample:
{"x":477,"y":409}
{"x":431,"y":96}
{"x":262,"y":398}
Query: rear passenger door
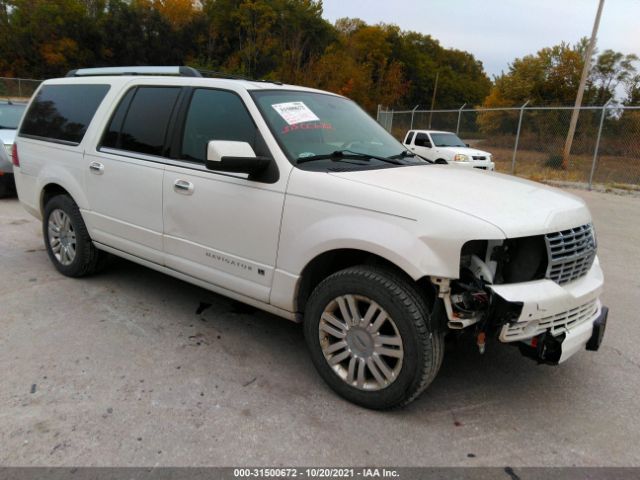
{"x":220,"y":227}
{"x":124,"y":174}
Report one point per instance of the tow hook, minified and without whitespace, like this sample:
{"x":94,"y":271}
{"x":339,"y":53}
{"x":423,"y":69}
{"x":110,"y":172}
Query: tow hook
{"x":543,"y":348}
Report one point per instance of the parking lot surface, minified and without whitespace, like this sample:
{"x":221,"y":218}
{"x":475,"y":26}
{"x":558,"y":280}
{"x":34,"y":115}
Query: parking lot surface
{"x":132,"y":367}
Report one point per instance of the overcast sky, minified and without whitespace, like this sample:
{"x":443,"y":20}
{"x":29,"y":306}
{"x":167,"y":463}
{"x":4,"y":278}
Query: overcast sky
{"x":498,"y":31}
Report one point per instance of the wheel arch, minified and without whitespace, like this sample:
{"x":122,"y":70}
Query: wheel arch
{"x":49,"y":191}
{"x":60,"y":181}
{"x":332,"y":261}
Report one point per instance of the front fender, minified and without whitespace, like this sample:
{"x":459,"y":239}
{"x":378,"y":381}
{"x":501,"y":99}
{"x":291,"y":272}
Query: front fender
{"x":390,"y":238}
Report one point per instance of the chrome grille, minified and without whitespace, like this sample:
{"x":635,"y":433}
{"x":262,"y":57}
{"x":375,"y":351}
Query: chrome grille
{"x":555,"y":324}
{"x":571,"y":253}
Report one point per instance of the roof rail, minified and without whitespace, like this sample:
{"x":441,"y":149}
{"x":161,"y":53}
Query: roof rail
{"x":161,"y":70}
{"x":104,"y":71}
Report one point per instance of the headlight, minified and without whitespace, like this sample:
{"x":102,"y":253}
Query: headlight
{"x":461,"y":158}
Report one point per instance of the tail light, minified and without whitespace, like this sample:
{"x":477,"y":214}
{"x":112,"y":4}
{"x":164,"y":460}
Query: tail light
{"x":14,"y":155}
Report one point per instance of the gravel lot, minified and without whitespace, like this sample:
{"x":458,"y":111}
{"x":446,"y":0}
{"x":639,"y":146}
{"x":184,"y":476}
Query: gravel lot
{"x":121,"y":369}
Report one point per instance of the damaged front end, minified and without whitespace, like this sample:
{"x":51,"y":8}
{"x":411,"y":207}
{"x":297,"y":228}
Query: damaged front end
{"x":539,"y":293}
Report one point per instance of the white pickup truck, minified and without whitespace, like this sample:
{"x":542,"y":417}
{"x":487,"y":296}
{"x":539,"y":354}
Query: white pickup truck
{"x":446,"y":147}
{"x":297,"y":202}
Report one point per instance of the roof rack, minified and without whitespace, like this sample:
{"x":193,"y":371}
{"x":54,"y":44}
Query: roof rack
{"x":103,"y":71}
{"x":161,"y":70}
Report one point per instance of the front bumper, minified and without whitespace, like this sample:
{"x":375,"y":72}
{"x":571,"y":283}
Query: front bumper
{"x":557,"y":313}
{"x":479,"y":164}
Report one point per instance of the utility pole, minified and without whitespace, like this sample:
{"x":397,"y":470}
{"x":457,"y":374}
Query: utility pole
{"x":433,"y":98}
{"x":583,"y":81}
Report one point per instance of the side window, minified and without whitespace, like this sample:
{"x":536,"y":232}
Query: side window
{"x":407,"y":140}
{"x":140,"y":121}
{"x":63,"y":112}
{"x":112,"y":135}
{"x":215,"y":115}
{"x":422,"y":140}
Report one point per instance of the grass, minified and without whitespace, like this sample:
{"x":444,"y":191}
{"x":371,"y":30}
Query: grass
{"x":615,"y":171}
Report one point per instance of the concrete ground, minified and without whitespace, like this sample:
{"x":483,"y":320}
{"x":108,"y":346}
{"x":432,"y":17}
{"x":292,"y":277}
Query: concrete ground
{"x":121,"y":369}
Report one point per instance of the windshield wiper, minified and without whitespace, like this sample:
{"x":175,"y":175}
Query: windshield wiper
{"x":342,"y":154}
{"x":407,"y":153}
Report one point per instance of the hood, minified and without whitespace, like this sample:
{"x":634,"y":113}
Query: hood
{"x":516,"y":206}
{"x":466,"y":151}
{"x":7,"y":136}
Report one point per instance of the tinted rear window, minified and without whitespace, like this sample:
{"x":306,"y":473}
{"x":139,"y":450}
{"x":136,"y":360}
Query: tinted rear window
{"x":63,"y":112}
{"x":140,"y":122}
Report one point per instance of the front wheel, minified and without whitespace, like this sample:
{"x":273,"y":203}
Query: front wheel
{"x":370,"y":338}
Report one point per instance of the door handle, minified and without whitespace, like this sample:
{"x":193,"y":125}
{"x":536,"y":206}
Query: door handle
{"x":96,"y":167}
{"x":182,"y":186}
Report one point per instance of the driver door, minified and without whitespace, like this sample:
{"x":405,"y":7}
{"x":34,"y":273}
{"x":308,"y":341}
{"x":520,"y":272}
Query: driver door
{"x":220,"y":227}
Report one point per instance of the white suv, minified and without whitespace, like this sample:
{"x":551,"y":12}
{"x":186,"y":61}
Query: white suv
{"x":446,"y":147}
{"x":297,"y":202}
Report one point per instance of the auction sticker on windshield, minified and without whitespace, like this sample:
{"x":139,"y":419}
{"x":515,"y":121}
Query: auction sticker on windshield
{"x":295,"y":112}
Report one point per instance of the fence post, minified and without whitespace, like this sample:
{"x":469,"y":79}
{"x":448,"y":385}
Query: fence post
{"x":595,"y":151}
{"x":19,"y":88}
{"x":459,"y":114}
{"x":515,"y":146}
{"x":378,"y":114}
{"x":391,"y":122}
{"x":412,"y":113}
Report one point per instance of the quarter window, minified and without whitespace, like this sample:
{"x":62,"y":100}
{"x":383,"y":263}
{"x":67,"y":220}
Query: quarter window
{"x":409,"y":138}
{"x":215,"y":115}
{"x":62,"y":113}
{"x":140,"y":122}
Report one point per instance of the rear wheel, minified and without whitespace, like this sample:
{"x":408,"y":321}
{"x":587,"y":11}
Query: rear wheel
{"x":67,"y":241}
{"x":370,"y":339}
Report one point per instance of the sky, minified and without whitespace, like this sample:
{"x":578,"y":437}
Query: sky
{"x":496,"y":32}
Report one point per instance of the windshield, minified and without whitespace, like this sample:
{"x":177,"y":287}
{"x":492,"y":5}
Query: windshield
{"x":309,"y":124}
{"x":10,"y":115}
{"x":446,"y":140}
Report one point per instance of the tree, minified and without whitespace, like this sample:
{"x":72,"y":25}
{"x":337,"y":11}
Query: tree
{"x":611,"y":70}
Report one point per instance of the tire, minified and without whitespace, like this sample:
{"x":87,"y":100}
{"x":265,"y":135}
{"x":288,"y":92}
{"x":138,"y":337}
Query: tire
{"x":7,"y":186}
{"x":86,"y":259}
{"x":419,"y":351}
{"x":441,"y":161}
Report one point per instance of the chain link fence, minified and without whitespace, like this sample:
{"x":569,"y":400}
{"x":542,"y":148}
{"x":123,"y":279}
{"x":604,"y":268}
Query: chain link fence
{"x":528,"y":141}
{"x":19,"y":89}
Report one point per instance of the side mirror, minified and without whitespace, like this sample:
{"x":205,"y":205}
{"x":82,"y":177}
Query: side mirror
{"x":238,"y":157}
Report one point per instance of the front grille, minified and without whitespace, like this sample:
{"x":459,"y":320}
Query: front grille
{"x":555,"y":324}
{"x":475,"y":157}
{"x":571,"y":253}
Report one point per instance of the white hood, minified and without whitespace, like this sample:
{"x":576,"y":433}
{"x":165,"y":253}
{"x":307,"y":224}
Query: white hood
{"x":517,"y":207}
